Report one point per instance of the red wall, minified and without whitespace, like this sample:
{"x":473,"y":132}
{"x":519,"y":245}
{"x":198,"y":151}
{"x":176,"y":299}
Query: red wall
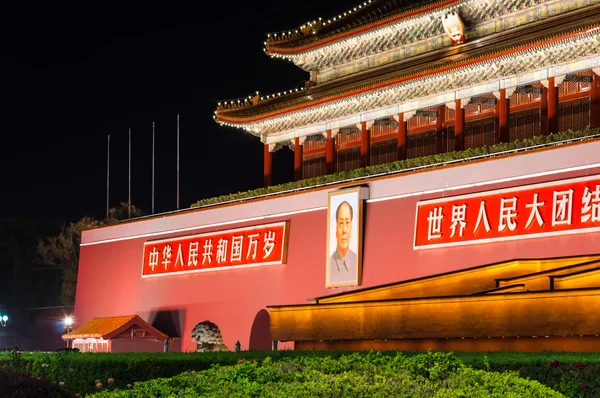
{"x":138,"y":345}
{"x":110,"y":282}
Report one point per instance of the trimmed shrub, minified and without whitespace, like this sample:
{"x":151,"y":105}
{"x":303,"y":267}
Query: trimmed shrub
{"x":573,"y":374}
{"x":353,"y":375}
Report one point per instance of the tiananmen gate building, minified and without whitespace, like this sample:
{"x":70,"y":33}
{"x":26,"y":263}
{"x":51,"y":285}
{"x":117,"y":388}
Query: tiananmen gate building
{"x":447,"y":159}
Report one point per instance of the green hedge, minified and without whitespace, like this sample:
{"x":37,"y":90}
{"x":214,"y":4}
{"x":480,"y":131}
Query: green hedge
{"x":80,"y":372}
{"x":571,"y":378}
{"x":400,"y":165}
{"x":355,"y":375}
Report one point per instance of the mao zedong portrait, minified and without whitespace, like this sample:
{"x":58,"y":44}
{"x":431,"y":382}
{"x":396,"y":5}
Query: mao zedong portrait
{"x":343,"y":263}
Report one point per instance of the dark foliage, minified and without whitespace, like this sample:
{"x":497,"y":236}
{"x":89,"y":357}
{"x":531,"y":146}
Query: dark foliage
{"x":20,"y":385}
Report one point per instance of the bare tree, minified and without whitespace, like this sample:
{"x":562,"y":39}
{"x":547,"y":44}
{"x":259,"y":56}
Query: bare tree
{"x":62,"y":251}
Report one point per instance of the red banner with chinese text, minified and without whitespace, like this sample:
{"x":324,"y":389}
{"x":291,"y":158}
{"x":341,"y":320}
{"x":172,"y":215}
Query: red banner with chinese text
{"x":568,"y":206}
{"x":252,"y":246}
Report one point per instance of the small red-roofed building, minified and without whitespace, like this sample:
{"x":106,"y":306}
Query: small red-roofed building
{"x":116,"y":334}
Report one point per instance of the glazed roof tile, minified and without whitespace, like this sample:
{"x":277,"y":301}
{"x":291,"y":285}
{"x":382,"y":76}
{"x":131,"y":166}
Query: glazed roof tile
{"x":501,"y":48}
{"x":374,"y":14}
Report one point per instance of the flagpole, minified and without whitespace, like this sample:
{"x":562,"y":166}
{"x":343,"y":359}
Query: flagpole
{"x":107,"y":175}
{"x":153,"y":167}
{"x":129,"y":200}
{"x":178,"y":161}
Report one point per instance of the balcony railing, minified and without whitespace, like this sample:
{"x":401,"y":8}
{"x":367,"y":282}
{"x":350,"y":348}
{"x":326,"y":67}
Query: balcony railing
{"x":405,"y":166}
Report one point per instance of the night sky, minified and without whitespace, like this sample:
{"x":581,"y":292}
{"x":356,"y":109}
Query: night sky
{"x":74,"y":72}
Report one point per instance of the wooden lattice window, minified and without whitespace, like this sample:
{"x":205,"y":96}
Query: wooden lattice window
{"x":419,"y":121}
{"x":346,"y":138}
{"x":487,"y":108}
{"x":568,"y":88}
{"x":348,"y":159}
{"x":478,"y":109}
{"x":574,"y":115}
{"x":81,"y":345}
{"x":514,"y":100}
{"x":450,"y":113}
{"x":524,"y":124}
{"x":380,"y":131}
{"x":471,"y":109}
{"x":311,"y":145}
{"x":384,"y":151}
{"x":314,"y":166}
{"x":450,"y":139}
{"x":421,"y":144}
{"x":479,"y":133}
{"x":571,"y":88}
{"x":518,"y":99}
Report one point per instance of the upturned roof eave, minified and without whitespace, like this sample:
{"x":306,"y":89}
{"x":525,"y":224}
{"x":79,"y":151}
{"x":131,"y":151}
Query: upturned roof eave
{"x":308,"y":42}
{"x":249,"y":115}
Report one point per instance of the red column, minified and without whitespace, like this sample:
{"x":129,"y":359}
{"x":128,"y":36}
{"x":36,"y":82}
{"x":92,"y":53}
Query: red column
{"x":459,"y":128}
{"x":365,"y":144}
{"x":268,"y":168}
{"x":330,"y":153}
{"x":544,"y":112}
{"x":595,"y":101}
{"x":504,"y":109}
{"x":552,"y":107}
{"x":401,"y":137}
{"x":497,"y":122}
{"x":440,"y":129}
{"x":297,"y":159}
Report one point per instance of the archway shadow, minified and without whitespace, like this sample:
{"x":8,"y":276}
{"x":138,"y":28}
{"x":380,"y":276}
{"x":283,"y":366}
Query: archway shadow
{"x":169,"y":321}
{"x":260,"y":334}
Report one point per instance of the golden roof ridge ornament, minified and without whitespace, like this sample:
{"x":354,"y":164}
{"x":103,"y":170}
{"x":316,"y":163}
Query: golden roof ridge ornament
{"x":454,"y":27}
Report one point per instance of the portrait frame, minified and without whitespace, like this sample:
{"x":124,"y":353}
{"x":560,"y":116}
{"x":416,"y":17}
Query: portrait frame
{"x":353,"y":196}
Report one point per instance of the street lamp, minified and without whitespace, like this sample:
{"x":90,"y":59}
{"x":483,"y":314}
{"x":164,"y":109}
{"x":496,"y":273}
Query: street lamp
{"x":3,"y":319}
{"x":68,"y":325}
